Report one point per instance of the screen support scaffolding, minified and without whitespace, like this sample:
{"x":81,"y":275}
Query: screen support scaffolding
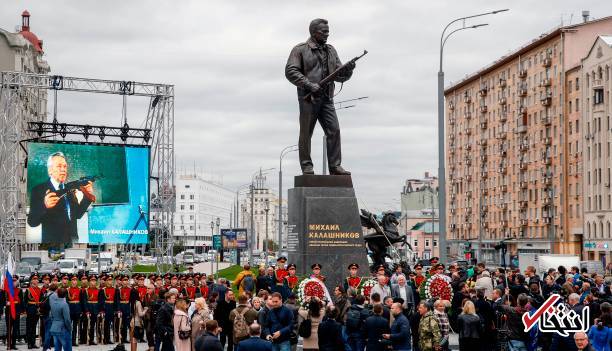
{"x":23,"y":114}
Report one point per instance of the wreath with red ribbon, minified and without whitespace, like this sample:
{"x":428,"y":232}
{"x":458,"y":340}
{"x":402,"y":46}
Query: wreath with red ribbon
{"x":366,"y":287}
{"x":438,"y":287}
{"x":310,"y":287}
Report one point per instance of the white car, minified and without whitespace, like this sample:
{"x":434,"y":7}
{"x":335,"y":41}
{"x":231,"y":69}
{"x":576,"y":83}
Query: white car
{"x":68,"y":266}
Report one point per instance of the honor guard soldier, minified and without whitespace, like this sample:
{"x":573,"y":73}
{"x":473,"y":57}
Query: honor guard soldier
{"x":203,"y":287}
{"x":290,"y":282}
{"x":353,"y":280}
{"x":92,"y":308}
{"x":316,"y":272}
{"x":419,"y":278}
{"x":141,"y":289}
{"x":32,"y":299}
{"x":55,"y":280}
{"x":189,"y":292}
{"x":279,"y":274}
{"x":83,"y":321}
{"x":126,"y":301}
{"x":110,"y":301}
{"x":65,"y":282}
{"x":158,"y":284}
{"x":75,"y":303}
{"x":434,"y":264}
{"x":12,"y":323}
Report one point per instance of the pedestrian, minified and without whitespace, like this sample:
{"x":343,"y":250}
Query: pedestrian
{"x":137,"y":322}
{"x":356,"y":317}
{"x":382,"y":289}
{"x":372,"y":332}
{"x":164,"y":324}
{"x":314,"y":314}
{"x":405,"y":292}
{"x":61,"y":324}
{"x":198,"y":319}
{"x":256,"y":304}
{"x":292,"y":305}
{"x":182,"y":327}
{"x":209,"y":341}
{"x":265,"y":280}
{"x":149,"y":321}
{"x":329,"y":331}
{"x":600,"y":336}
{"x":400,"y":329}
{"x":442,"y":318}
{"x":517,"y":338}
{"x":245,"y":281}
{"x":241,"y":318}
{"x":278,"y":324}
{"x":429,"y":330}
{"x":470,"y":329}
{"x":342,"y":304}
{"x":45,"y":308}
{"x":254,"y":342}
{"x":583,"y":344}
{"x":221,"y":315}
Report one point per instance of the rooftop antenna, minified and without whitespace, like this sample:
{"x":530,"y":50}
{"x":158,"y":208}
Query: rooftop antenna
{"x":585,"y":16}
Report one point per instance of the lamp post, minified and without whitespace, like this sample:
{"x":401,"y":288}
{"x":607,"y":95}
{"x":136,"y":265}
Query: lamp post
{"x":212,"y":234}
{"x":284,"y":152}
{"x":267,"y":242}
{"x":218,"y":222}
{"x":441,"y":135}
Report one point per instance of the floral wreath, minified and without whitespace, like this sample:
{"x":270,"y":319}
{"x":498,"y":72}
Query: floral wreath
{"x":438,"y":287}
{"x":366,"y":287}
{"x":310,"y":287}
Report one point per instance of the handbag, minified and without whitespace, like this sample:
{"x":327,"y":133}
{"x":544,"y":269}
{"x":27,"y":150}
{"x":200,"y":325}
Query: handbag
{"x":184,"y":334}
{"x":305,"y":328}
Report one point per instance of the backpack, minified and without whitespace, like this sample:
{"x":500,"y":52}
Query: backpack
{"x":305,"y":328}
{"x":248,"y":283}
{"x":353,"y":319}
{"x":241,"y":328}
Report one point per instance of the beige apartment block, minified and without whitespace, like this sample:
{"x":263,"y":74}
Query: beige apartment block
{"x":513,"y":148}
{"x":595,"y":75}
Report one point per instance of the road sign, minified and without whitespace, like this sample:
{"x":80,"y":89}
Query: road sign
{"x":217,"y":242}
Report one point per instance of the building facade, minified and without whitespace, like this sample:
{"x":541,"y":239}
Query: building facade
{"x":22,"y":51}
{"x":423,"y":237}
{"x":595,"y":95}
{"x":199,"y":203}
{"x":264,"y":203}
{"x":508,"y":156}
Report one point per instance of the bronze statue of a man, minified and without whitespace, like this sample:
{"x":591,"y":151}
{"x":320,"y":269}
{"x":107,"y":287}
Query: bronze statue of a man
{"x":307,"y":65}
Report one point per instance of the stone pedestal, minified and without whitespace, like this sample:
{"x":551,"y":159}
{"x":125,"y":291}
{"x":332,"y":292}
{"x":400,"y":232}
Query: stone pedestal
{"x":324,"y":227}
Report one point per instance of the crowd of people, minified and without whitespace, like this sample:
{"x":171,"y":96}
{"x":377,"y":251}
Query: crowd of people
{"x":264,"y":311}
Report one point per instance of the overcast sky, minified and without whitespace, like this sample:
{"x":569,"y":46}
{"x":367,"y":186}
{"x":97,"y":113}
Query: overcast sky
{"x":234,"y":109}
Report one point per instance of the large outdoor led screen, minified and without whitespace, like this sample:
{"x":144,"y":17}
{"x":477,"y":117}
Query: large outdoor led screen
{"x":86,"y":193}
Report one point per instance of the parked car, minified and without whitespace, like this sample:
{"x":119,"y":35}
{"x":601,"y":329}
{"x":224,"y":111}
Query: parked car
{"x":68,"y":266}
{"x":49,"y":268}
{"x":32,"y":261}
{"x":24,"y":271}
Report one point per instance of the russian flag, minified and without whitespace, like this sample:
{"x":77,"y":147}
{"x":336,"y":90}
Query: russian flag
{"x":8,"y":285}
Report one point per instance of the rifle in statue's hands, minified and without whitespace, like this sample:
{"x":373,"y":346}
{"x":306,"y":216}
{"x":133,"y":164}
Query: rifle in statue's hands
{"x":334,"y":74}
{"x":76,"y":184}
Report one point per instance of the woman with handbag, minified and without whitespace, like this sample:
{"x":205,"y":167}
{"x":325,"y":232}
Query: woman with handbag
{"x":199,"y":318}
{"x":313,"y":316}
{"x":182,"y":327}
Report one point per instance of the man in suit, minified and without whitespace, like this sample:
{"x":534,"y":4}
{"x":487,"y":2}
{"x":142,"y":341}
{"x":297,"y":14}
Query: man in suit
{"x":58,"y":214}
{"x":404,"y":291}
{"x":255,"y":342}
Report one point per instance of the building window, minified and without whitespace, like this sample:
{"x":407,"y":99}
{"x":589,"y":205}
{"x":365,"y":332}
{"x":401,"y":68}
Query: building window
{"x":182,"y":207}
{"x":435,"y":242}
{"x":191,"y":207}
{"x":416,"y":243}
{"x":191,"y":197}
{"x":577,"y":84}
{"x":426,"y":242}
{"x":182,"y":196}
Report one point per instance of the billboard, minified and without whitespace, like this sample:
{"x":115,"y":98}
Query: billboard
{"x":87,"y":193}
{"x":234,"y":238}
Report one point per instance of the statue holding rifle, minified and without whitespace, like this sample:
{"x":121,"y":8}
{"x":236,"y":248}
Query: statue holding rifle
{"x":313,"y":67}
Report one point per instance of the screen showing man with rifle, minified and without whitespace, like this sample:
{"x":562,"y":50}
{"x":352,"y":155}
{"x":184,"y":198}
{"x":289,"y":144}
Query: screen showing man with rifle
{"x":87,"y":193}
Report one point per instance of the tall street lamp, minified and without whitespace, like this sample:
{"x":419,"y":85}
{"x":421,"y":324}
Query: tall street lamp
{"x":218,"y":223}
{"x":267,"y":242}
{"x":236,"y":217}
{"x":260,"y":174}
{"x":284,"y":152}
{"x":441,"y":156}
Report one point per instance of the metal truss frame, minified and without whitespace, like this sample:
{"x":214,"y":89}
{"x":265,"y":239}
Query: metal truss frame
{"x":18,"y":121}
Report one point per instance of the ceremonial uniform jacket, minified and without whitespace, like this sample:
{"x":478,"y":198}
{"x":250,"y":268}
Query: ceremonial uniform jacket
{"x":76,"y":301}
{"x":92,"y":300}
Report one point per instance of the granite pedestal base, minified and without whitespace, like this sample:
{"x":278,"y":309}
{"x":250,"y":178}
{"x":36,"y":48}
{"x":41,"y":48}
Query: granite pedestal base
{"x":324,"y":227}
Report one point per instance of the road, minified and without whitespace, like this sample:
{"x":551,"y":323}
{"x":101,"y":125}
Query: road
{"x":209,"y":267}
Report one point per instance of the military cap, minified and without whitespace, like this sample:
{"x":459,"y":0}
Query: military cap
{"x":34,"y":276}
{"x":418,"y":265}
{"x":291,"y":265}
{"x":92,"y":277}
{"x":353,"y":265}
{"x":282,"y":258}
{"x":315,"y":265}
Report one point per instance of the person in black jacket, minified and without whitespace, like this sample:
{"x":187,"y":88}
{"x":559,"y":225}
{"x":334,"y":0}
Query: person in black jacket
{"x":470,"y":328}
{"x":221,"y":315}
{"x":330,"y":331}
{"x":374,"y":328}
{"x":209,"y":340}
{"x":355,"y":319}
{"x":164,"y":325}
{"x":264,"y":280}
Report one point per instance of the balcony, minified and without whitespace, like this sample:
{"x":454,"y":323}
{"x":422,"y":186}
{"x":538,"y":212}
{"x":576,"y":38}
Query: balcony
{"x":503,"y":188}
{"x":502,"y":135}
{"x":502,"y":169}
{"x":523,"y":203}
{"x":468,"y":146}
{"x":523,"y":222}
{"x":546,"y":120}
{"x":503,"y":117}
{"x":467,"y":99}
{"x":547,"y":200}
{"x":547,"y":141}
{"x":451,"y":136}
{"x":467,"y":115}
{"x":523,"y":165}
{"x":451,"y":105}
{"x":547,"y":220}
{"x":484,"y":109}
{"x":467,"y":131}
{"x":523,"y":185}
{"x":452,"y":121}
{"x":546,"y":82}
{"x":524,"y":146}
{"x":503,"y":206}
{"x":522,"y":91}
{"x":485,"y":224}
{"x":546,"y":158}
{"x":502,"y":83}
{"x":483,"y":91}
{"x":483,"y":192}
{"x":522,"y":112}
{"x":453,"y":211}
{"x":483,"y":142}
{"x":468,"y":177}
{"x":521,"y":129}
{"x":468,"y":193}
{"x":546,"y":100}
{"x":547,"y":62}
{"x":504,"y":224}
{"x":483,"y":158}
{"x":547,"y":180}
{"x":522,"y":73}
{"x":452,"y":227}
{"x":502,"y":101}
{"x":484,"y":175}
{"x":483,"y":124}
{"x":468,"y":161}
